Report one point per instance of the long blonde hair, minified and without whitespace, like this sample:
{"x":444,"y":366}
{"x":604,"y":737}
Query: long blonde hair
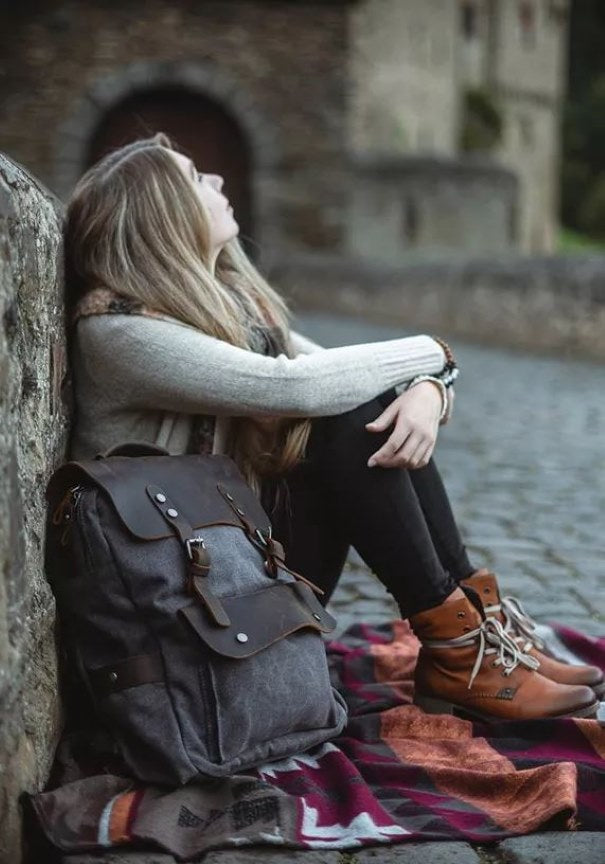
{"x":135,"y":225}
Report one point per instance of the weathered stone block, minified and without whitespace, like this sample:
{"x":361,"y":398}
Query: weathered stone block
{"x":587,"y":847}
{"x":419,"y":853}
{"x":33,"y":439}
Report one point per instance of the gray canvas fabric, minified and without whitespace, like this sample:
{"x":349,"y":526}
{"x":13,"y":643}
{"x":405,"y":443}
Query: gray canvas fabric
{"x":211,"y":715}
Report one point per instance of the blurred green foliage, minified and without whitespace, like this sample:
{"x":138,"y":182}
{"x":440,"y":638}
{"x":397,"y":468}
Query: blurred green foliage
{"x":583,"y":167}
{"x":572,"y":241}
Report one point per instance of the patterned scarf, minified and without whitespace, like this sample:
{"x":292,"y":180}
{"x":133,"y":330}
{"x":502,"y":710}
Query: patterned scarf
{"x":262,"y":339}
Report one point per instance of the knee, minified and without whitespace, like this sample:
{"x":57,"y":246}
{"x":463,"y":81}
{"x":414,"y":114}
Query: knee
{"x":347,"y":430}
{"x":364,"y":413}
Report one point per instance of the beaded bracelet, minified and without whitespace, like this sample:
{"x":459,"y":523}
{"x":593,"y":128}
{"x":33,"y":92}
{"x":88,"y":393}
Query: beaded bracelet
{"x":450,"y":371}
{"x":447,"y":375}
{"x":449,"y":354}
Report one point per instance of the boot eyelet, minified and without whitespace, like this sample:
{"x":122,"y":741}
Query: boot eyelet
{"x":466,"y":629}
{"x":461,"y":614}
{"x":486,"y":590}
{"x":493,"y":664}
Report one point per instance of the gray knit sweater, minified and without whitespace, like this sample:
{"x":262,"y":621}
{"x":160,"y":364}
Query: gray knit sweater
{"x":141,"y":378}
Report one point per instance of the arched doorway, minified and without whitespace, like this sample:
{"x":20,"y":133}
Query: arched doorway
{"x":200,"y":126}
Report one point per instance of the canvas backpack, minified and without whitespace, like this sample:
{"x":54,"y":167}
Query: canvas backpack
{"x":201,"y":650}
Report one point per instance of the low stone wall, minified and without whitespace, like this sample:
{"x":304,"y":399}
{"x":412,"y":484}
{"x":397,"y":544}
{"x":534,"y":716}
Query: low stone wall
{"x":545,"y":304}
{"x":33,"y":439}
{"x":402,"y":204}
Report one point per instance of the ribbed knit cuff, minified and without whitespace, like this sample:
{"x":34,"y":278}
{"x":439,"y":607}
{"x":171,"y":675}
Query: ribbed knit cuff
{"x":400,"y":360}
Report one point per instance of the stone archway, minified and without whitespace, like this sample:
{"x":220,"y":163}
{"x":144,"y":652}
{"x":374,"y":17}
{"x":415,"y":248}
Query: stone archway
{"x":200,"y":127}
{"x":203,"y":80}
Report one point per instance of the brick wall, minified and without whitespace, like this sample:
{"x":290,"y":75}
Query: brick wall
{"x":277,"y":66}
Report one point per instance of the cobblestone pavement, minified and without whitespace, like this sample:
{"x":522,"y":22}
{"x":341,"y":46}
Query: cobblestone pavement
{"x":523,"y":459}
{"x":524,"y":463}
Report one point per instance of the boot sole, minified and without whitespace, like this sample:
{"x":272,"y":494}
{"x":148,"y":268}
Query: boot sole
{"x":434,"y":705}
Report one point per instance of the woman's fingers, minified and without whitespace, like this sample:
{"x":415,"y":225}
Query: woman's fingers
{"x":405,"y":455}
{"x":395,"y":453}
{"x":384,"y":420}
{"x":395,"y":441}
{"x":414,"y":452}
{"x":422,"y":456}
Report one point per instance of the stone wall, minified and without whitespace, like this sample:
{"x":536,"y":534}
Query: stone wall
{"x":527,"y":74}
{"x":459,"y":206}
{"x":402,"y":68}
{"x":540,"y":304}
{"x":411,"y":63}
{"x":33,"y":440}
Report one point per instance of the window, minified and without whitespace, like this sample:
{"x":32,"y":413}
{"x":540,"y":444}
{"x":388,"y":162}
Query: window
{"x":556,"y":12}
{"x":410,"y":220}
{"x":469,"y":19}
{"x":527,"y":23}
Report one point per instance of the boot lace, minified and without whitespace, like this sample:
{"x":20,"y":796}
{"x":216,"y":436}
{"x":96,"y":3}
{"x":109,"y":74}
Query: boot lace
{"x":517,"y":622}
{"x":493,"y":639}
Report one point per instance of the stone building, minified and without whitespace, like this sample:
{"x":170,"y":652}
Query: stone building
{"x":348,"y":144}
{"x":411,"y":65}
{"x":336,"y":123}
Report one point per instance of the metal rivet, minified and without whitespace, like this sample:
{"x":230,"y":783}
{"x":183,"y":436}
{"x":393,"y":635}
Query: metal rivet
{"x":461,"y":614}
{"x":160,"y":497}
{"x":229,"y":497}
{"x":241,"y":512}
{"x":113,"y":677}
{"x":316,"y":616}
{"x":172,"y":512}
{"x":242,"y":637}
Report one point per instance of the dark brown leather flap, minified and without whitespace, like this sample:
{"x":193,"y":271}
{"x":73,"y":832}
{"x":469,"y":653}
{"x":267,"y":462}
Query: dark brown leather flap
{"x":189,"y":481}
{"x":259,"y":619}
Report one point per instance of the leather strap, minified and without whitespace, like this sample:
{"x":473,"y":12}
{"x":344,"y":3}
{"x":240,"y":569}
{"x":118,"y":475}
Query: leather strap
{"x":197,"y":554}
{"x":142,"y":669}
{"x":200,"y":589}
{"x":267,"y":545}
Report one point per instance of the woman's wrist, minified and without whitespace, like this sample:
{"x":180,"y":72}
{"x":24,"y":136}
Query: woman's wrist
{"x":436,"y":382}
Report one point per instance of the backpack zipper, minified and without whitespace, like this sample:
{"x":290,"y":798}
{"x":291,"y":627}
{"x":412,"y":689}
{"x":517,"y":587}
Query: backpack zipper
{"x":65,"y":511}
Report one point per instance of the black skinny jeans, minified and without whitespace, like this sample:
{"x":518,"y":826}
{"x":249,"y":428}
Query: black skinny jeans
{"x":399,"y":521}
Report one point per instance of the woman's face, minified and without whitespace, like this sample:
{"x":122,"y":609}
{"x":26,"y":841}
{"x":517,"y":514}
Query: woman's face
{"x":223,"y":226}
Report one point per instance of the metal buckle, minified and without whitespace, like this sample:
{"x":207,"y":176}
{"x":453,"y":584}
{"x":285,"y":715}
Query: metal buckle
{"x":199,"y":541}
{"x":262,"y":537}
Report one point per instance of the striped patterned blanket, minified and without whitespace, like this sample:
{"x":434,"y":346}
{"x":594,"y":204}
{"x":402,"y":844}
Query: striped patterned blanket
{"x":394,"y":775}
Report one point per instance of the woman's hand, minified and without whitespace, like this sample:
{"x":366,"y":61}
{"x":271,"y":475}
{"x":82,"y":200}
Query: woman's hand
{"x":415,"y":414}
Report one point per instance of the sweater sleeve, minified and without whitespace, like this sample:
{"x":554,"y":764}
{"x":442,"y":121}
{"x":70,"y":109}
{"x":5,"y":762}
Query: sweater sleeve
{"x":141,"y":362}
{"x":302,"y":344}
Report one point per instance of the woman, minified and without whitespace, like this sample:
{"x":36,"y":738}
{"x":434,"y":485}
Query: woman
{"x":177,"y":339}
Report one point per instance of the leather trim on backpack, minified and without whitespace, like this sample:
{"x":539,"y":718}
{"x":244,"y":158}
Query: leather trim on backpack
{"x":190,"y":481}
{"x":142,"y":669}
{"x":259,"y":619}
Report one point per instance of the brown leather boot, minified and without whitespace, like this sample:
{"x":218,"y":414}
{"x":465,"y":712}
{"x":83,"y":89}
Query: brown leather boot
{"x":521,"y":628}
{"x":469,"y":665}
